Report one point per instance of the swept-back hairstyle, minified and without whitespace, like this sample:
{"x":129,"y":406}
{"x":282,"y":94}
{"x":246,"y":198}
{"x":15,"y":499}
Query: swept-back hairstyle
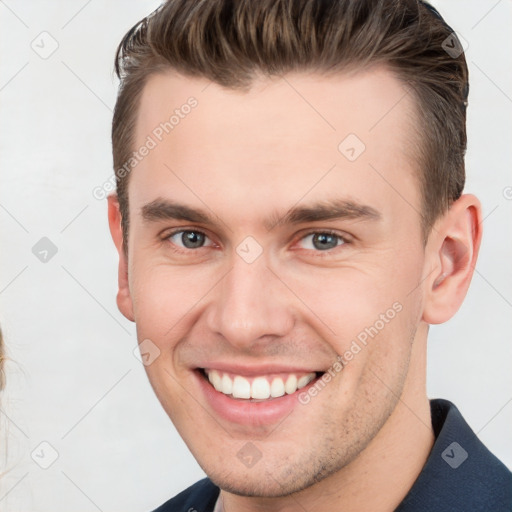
{"x":230,"y":42}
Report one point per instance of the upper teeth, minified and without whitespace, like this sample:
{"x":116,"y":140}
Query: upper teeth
{"x":260,"y":387}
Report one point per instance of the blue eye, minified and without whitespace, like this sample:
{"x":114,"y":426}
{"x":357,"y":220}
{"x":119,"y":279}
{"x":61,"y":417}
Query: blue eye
{"x":189,"y":239}
{"x":322,"y":241}
{"x":317,"y":241}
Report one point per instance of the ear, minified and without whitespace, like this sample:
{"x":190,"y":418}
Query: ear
{"x":124,"y":299}
{"x":451,"y":252}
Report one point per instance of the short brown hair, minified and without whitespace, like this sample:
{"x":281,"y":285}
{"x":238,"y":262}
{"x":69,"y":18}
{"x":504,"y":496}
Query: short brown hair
{"x":230,"y":42}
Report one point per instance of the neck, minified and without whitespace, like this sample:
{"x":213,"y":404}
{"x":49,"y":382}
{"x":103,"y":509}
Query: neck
{"x":382,"y":474}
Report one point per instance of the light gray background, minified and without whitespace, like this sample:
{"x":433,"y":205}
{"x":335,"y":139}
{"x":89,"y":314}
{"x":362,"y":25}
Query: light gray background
{"x":74,"y":381}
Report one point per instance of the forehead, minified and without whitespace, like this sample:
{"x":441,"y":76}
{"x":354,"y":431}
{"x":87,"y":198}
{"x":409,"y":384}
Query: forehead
{"x":290,"y":108}
{"x":289,"y":136}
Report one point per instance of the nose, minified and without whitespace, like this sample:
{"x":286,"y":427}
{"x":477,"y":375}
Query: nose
{"x":250,"y":306}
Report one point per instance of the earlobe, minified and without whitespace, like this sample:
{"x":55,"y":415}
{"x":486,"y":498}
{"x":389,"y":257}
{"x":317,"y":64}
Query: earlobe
{"x":124,"y":299}
{"x":452,"y":252}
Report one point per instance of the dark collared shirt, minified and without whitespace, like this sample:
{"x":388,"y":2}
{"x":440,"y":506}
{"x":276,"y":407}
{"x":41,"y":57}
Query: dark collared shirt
{"x":461,"y":474}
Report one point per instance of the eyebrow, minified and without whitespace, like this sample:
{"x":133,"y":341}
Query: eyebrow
{"x":336,"y":209}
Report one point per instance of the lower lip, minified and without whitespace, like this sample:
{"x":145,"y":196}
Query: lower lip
{"x":245,"y":412}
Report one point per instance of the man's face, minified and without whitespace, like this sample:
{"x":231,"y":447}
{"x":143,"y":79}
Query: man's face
{"x":239,"y":270}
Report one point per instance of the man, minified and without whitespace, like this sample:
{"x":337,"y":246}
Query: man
{"x":289,"y":220}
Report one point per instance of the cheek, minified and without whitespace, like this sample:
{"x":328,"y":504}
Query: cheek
{"x":166,"y":298}
{"x":352,"y":307}
{"x":344,"y":301}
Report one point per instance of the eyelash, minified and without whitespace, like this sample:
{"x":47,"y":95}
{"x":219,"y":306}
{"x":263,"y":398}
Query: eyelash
{"x":345,"y":240}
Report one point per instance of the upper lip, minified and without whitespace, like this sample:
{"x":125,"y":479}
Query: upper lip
{"x":255,"y":370}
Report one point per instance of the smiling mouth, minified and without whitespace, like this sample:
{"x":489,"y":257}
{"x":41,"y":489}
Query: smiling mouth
{"x":258,"y":388}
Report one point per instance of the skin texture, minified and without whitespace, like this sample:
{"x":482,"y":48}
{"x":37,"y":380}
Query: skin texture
{"x":245,"y":158}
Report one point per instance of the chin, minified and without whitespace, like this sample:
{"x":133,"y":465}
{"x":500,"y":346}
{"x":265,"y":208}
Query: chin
{"x":274,"y":480}
{"x":262,"y":486}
